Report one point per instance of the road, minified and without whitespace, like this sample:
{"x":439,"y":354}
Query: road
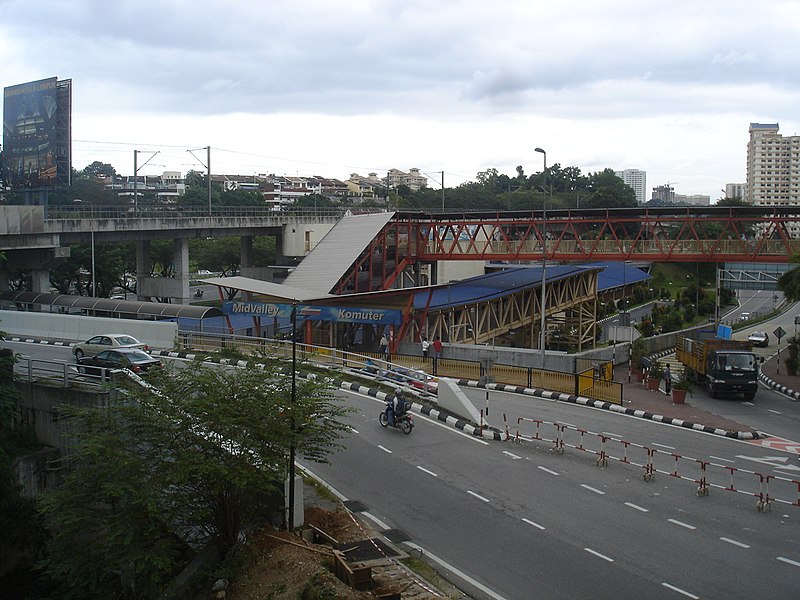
{"x":519,"y":522}
{"x":525,"y":523}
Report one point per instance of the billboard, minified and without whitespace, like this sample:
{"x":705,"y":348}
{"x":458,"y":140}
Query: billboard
{"x":37,"y":134}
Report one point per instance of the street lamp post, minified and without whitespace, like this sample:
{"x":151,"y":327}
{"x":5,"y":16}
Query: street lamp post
{"x":293,"y":401}
{"x":544,"y":256}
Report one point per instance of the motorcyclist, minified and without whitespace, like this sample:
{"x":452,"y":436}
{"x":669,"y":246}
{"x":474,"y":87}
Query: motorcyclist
{"x":396,"y":407}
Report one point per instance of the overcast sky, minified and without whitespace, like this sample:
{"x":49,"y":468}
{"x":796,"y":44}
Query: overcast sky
{"x":304,"y":87}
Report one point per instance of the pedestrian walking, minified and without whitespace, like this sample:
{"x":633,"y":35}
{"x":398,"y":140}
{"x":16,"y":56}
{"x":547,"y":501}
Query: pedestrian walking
{"x":667,"y":381}
{"x":437,"y":354}
{"x":425,"y":345}
{"x":384,"y":346}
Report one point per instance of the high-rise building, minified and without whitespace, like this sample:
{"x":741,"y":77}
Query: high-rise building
{"x":773,"y":167}
{"x":637,"y":180}
{"x":735,"y":190}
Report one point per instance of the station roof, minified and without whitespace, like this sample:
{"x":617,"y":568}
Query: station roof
{"x":494,"y":285}
{"x":122,"y":307}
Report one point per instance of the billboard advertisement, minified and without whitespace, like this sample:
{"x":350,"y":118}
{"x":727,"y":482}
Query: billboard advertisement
{"x":37,"y":133}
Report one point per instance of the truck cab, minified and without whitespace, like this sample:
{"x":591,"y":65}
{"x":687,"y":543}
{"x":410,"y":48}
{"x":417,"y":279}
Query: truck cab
{"x":732,"y":372}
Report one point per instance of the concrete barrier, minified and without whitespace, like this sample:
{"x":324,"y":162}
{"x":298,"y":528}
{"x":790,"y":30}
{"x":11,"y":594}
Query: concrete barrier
{"x":156,"y":334}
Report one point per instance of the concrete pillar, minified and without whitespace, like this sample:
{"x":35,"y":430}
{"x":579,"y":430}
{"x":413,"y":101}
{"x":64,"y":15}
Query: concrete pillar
{"x":181,"y":259}
{"x":246,"y":259}
{"x":143,"y":263}
{"x":40,"y":281}
{"x":280,"y":255}
{"x":3,"y":280}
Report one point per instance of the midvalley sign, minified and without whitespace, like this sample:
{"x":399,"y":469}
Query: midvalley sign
{"x":314,"y":313}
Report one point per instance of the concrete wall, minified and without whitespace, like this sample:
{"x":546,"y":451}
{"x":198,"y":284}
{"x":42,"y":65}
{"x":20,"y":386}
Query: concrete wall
{"x":294,"y":237}
{"x":157,"y":334}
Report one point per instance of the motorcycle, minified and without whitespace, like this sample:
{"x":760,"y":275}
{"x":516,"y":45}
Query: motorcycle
{"x":198,"y":293}
{"x":404,"y":422}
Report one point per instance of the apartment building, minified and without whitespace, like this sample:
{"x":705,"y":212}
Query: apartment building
{"x":735,"y":190}
{"x":773,"y":167}
{"x":637,"y":180}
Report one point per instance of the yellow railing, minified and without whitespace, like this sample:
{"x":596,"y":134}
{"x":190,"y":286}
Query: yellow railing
{"x":593,"y":383}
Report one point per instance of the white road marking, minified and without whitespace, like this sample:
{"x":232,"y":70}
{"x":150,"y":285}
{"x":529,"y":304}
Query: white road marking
{"x":637,"y":507}
{"x":512,"y":455}
{"x":722,"y":459}
{"x":663,"y":446}
{"x":478,"y":496}
{"x":603,"y":556}
{"x":456,"y":572}
{"x":424,"y":470}
{"x":546,"y":470}
{"x":591,"y":489}
{"x":609,"y":434}
{"x":682,"y":524}
{"x":748,"y":403}
{"x":734,"y":542}
{"x":529,"y":522}
{"x":354,"y":430}
{"x":788,"y":561}
{"x":384,"y":449}
{"x":777,"y":412}
{"x":680,"y":591}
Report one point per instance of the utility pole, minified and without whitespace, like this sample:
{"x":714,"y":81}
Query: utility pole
{"x":207,"y":165}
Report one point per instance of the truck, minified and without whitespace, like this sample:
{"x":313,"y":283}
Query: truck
{"x":725,"y":367}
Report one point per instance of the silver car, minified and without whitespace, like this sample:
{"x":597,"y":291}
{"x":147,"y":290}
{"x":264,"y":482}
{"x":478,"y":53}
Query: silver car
{"x":108,"y":341}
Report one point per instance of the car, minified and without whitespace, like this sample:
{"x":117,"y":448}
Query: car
{"x":106,"y":341}
{"x":759,"y":338}
{"x":205,"y":272}
{"x":414,"y":378}
{"x":744,"y":316}
{"x":134,"y":359}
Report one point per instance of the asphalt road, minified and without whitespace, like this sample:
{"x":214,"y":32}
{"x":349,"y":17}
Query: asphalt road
{"x":525,"y":523}
{"x":518,"y":522}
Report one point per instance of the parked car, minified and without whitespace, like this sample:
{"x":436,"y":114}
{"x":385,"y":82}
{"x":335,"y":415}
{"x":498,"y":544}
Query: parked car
{"x":204,"y":272}
{"x":414,"y":378}
{"x":106,"y":341}
{"x":759,"y":338}
{"x":121,"y":358}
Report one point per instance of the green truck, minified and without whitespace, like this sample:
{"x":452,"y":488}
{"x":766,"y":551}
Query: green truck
{"x":725,"y":367}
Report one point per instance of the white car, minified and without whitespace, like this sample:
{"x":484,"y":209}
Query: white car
{"x":108,"y":341}
{"x":204,"y":272}
{"x":759,"y":338}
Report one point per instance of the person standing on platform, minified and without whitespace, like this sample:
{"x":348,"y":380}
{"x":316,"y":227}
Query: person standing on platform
{"x":425,"y":345}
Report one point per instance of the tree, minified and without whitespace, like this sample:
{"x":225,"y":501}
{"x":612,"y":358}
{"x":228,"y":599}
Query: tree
{"x":789,"y":282}
{"x":192,"y":455}
{"x":609,"y":192}
{"x":99,"y":169}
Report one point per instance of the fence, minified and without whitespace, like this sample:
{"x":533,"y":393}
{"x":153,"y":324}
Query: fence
{"x":594,"y":384}
{"x":705,"y":474}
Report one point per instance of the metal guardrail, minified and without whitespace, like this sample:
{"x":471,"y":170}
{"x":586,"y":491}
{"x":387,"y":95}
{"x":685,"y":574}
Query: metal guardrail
{"x":60,"y":373}
{"x":705,"y":474}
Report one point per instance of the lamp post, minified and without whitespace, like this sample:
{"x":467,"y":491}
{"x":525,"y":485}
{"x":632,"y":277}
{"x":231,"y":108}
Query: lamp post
{"x":544,"y":255}
{"x":293,"y":401}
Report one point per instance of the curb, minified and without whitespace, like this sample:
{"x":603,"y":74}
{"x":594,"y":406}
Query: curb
{"x":738,"y":435}
{"x":40,"y":342}
{"x":794,"y":395}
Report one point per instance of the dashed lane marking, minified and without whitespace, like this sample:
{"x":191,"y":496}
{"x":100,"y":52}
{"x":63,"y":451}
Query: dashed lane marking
{"x":529,"y":522}
{"x":424,"y":470}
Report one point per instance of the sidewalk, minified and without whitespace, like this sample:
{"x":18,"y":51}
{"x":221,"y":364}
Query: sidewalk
{"x":788,"y":384}
{"x":637,"y":397}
